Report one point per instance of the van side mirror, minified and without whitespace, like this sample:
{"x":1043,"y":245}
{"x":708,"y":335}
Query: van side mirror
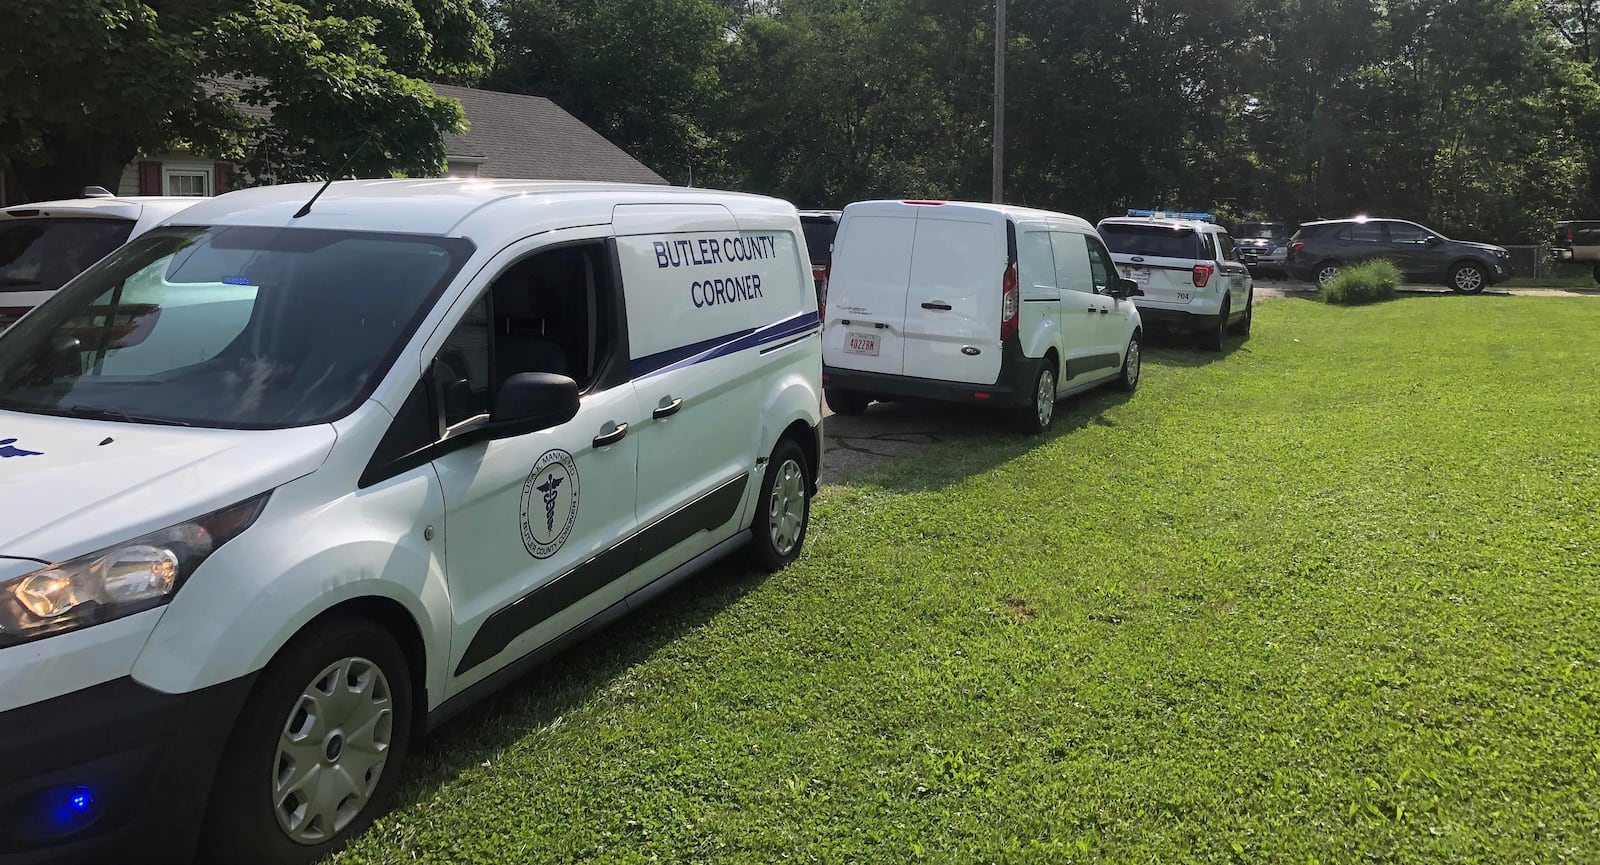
{"x":531,"y":401}
{"x":1126,"y":287}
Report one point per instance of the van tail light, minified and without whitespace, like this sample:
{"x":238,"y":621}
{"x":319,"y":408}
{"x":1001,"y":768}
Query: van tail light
{"x":1569,"y":234}
{"x":1010,"y":302}
{"x":1202,"y":275}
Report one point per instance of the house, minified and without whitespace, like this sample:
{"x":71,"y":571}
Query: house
{"x":509,"y":135}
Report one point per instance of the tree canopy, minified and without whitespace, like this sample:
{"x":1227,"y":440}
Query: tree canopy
{"x":89,"y":84}
{"x":1479,"y":117}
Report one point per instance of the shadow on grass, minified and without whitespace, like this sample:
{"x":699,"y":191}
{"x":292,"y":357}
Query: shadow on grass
{"x":545,"y":694}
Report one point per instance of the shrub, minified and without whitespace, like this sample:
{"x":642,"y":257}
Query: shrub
{"x":1367,"y":282}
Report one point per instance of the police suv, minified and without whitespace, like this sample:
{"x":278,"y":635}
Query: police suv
{"x":289,"y":483}
{"x":1189,"y":270}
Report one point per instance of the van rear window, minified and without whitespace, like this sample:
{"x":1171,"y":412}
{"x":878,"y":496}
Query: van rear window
{"x":42,"y":254}
{"x":819,"y":238}
{"x":1153,"y":240}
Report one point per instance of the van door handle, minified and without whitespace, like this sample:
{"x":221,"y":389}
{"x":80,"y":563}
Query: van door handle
{"x":662,"y":412}
{"x":611,"y":438}
{"x":1104,"y":311}
{"x":937,"y":304}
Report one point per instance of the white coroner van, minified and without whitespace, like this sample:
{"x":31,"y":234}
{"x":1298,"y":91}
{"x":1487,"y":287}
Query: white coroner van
{"x":975,"y":303}
{"x":280,"y":493}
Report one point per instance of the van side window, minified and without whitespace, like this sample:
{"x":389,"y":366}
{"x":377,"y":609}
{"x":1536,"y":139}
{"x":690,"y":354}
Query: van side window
{"x":1100,"y":264}
{"x":1072,"y":262}
{"x":548,"y":312}
{"x":1038,"y":262}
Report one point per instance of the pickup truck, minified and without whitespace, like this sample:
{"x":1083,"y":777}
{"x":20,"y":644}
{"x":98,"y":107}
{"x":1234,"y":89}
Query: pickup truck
{"x":1578,"y":241}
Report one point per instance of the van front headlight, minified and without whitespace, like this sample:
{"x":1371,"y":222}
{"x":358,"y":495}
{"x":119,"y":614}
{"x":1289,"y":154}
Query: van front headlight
{"x":119,"y":580}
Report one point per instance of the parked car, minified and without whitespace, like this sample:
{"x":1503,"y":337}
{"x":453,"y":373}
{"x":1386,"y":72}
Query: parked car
{"x":1261,"y":245}
{"x":820,"y":227}
{"x":45,"y":244}
{"x":1319,"y":249}
{"x":429,"y":433}
{"x":1189,"y":270}
{"x":974,"y":303}
{"x":1578,"y":241}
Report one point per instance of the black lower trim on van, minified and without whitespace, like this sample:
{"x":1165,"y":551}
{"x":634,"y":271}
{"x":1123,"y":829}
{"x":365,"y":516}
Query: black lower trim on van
{"x":1013,"y":387}
{"x":140,"y":762}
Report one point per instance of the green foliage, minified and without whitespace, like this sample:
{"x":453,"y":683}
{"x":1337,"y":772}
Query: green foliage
{"x":1113,"y":646}
{"x":642,"y":72}
{"x":1367,"y":282}
{"x":91,"y":83}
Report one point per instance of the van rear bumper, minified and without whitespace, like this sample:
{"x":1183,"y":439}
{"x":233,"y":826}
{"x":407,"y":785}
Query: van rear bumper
{"x":1013,"y":387}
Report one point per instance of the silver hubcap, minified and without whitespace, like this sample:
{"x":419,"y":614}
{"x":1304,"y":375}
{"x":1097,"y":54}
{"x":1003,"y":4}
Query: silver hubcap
{"x":1326,"y":275}
{"x":1044,"y":402}
{"x":1132,"y":363}
{"x":1469,"y":279}
{"x":332,"y":750}
{"x":786,"y":510}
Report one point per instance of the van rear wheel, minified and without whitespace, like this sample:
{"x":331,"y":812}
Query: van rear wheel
{"x":846,"y":402}
{"x":317,"y":751}
{"x":784,"y":511}
{"x":1041,"y":411}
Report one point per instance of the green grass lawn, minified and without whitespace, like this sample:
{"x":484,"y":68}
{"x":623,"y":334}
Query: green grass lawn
{"x":1564,"y":281}
{"x":1332,"y":597}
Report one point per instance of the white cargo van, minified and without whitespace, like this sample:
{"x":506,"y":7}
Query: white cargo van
{"x":283,"y":492}
{"x":976,"y":303}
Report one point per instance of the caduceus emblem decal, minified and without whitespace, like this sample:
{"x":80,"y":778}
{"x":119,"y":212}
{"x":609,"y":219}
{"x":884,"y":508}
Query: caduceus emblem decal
{"x":549,"y":487}
{"x":552,"y":482}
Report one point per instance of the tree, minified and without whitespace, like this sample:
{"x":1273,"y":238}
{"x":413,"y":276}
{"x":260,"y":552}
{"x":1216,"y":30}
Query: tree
{"x":89,"y":84}
{"x":642,"y":72}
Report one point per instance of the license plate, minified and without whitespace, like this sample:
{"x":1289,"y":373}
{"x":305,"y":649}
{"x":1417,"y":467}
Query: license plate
{"x":861,"y":343}
{"x":1140,"y":275}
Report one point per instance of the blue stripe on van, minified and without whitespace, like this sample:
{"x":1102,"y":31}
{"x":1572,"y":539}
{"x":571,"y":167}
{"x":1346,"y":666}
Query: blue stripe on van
{"x":722,"y":346}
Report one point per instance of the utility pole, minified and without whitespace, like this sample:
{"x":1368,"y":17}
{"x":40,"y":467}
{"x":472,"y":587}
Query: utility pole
{"x":999,"y":100}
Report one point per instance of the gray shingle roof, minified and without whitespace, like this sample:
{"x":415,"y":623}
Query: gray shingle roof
{"x":514,"y":136}
{"x":530,"y":137}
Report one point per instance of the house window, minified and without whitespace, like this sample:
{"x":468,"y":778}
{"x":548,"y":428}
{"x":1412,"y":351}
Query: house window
{"x":182,"y":182}
{"x":464,"y":169}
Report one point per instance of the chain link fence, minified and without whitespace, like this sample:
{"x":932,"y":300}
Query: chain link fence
{"x":1535,"y":262}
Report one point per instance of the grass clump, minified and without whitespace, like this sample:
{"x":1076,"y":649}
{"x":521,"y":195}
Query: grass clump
{"x":1368,"y":282}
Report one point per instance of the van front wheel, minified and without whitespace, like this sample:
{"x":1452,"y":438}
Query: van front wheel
{"x":318,"y":748}
{"x":784,"y":510}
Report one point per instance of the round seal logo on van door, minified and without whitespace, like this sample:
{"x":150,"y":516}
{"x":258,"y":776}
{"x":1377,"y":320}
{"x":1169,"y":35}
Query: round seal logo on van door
{"x":549,"y":503}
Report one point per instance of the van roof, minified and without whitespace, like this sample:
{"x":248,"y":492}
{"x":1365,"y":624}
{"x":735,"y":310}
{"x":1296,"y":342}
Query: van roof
{"x":969,"y":208}
{"x":440,"y":206}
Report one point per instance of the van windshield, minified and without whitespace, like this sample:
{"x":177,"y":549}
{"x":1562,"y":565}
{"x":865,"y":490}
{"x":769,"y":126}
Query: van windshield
{"x":229,"y":327}
{"x":1156,"y":241}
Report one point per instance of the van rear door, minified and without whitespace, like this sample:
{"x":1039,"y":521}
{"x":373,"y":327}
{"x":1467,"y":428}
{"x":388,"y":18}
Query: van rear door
{"x":952,"y":307}
{"x":867,"y":291}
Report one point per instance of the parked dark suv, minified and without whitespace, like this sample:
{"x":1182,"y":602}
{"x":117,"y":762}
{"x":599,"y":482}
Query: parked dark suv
{"x":1261,"y":244}
{"x":1319,"y":249}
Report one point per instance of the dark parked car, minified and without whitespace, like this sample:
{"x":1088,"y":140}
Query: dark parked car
{"x":1319,"y":249}
{"x":820,"y":226}
{"x":1261,"y":244}
{"x":1578,"y":241}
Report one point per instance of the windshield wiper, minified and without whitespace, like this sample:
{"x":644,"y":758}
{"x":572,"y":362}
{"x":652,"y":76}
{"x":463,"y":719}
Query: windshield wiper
{"x":92,"y":413}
